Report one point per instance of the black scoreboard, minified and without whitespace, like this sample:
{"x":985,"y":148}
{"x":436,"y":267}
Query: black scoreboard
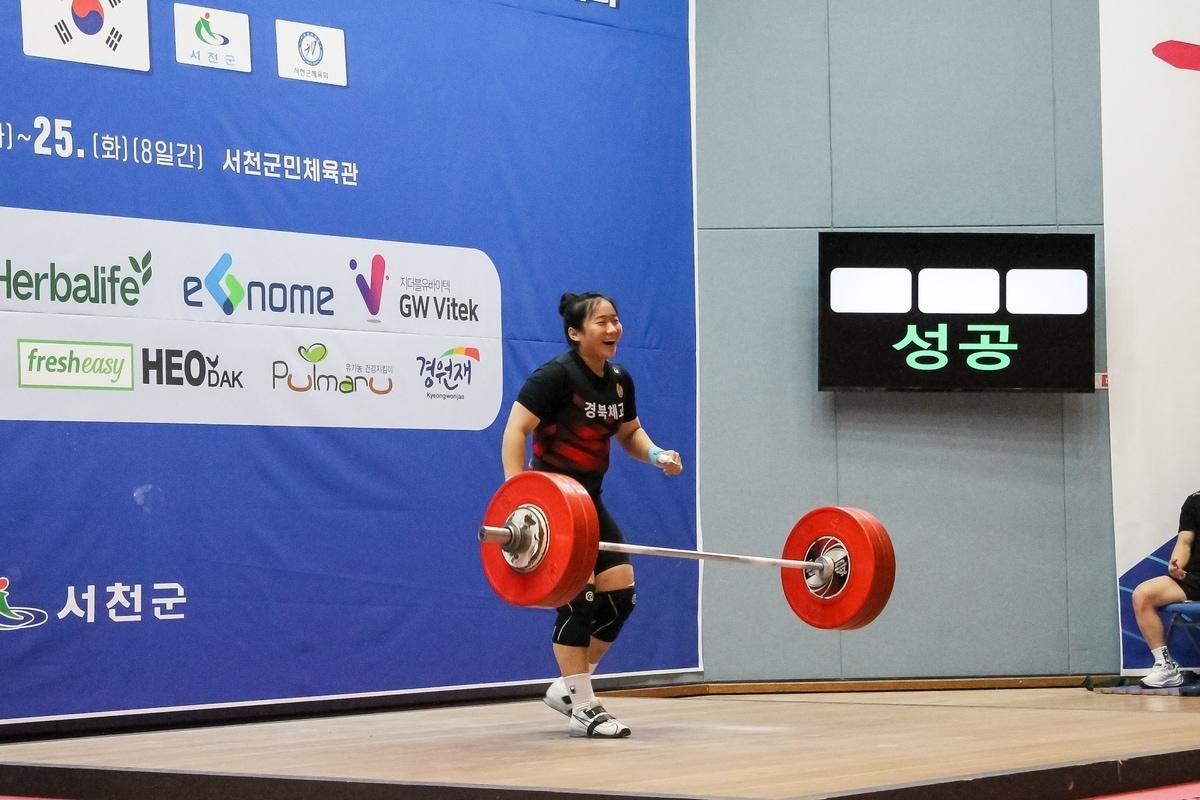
{"x":957,"y":311}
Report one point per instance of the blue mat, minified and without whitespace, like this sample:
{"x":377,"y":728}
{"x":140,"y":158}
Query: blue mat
{"x":1187,"y":690}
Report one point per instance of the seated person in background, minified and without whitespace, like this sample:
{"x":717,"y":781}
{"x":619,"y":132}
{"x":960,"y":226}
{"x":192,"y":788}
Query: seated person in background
{"x":1181,"y":583}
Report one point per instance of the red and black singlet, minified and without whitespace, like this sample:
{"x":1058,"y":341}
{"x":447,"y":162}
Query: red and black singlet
{"x":579,"y":411}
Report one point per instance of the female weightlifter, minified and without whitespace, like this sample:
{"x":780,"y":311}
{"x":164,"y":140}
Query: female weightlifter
{"x":573,"y":405}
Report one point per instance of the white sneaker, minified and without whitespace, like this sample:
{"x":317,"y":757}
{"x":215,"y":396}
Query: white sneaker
{"x":558,"y":697}
{"x":596,"y":723}
{"x":1163,"y":675}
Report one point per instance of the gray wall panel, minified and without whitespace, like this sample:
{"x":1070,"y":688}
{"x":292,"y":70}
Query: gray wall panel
{"x":970,"y":489}
{"x":1090,"y":538}
{"x":762,"y":114}
{"x":942,"y":113}
{"x":767,"y":446}
{"x":1077,"y":111}
{"x":1090,"y":542}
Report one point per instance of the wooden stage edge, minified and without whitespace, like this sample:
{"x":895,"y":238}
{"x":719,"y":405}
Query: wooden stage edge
{"x":1066,"y":782}
{"x":76,"y":773}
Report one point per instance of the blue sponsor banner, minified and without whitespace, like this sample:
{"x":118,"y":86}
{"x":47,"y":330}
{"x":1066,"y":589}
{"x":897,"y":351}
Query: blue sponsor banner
{"x":1135,"y":653}
{"x":149,"y":565}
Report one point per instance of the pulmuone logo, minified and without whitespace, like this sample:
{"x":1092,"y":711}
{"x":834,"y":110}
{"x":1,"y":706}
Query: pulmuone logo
{"x":103,"y":285}
{"x":313,"y":380}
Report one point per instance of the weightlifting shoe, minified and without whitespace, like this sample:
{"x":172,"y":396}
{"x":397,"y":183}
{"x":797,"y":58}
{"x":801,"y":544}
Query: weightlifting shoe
{"x":594,"y":722}
{"x":1163,"y":676}
{"x":558,"y":697}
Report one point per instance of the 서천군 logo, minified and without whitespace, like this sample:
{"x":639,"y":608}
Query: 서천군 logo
{"x":311,"y":49}
{"x":15,"y":617}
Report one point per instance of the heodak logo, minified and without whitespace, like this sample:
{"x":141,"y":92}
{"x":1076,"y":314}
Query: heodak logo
{"x":311,"y":378}
{"x":175,"y":367}
{"x":104,"y":285}
{"x":52,"y":364}
{"x":16,"y":617}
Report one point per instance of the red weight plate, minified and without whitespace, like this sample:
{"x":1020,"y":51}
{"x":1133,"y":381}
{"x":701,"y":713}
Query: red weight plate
{"x":885,"y":570}
{"x":872,"y":568}
{"x":571,"y":549}
{"x":586,"y":540}
{"x":588,"y":532}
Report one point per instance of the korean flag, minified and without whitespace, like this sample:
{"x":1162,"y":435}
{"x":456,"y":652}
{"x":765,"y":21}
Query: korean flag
{"x":112,"y":33}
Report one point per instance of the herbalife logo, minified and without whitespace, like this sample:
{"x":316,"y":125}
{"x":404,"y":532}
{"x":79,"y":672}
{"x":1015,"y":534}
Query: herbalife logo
{"x":274,"y":298}
{"x":103,"y":285}
{"x":15,"y":617}
{"x":309,"y":379}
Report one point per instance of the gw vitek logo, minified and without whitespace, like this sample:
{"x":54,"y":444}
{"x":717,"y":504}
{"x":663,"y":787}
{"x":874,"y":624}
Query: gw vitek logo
{"x":358,"y":377}
{"x":418,"y":306}
{"x":177,"y":367}
{"x":371,"y":290}
{"x":272,"y":298}
{"x":49,"y":364}
{"x":103,"y":285}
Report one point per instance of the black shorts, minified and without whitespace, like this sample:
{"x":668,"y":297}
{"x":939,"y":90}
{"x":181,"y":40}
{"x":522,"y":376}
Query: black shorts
{"x":1190,"y":585}
{"x":609,"y":532}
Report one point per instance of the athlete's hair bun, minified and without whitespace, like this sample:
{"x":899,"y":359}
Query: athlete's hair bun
{"x":564,"y":303}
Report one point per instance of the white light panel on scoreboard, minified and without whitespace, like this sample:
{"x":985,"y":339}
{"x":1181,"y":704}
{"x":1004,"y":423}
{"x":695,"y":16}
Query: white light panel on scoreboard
{"x":957,"y":311}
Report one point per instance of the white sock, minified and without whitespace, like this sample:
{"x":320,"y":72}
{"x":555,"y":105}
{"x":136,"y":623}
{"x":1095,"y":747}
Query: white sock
{"x":580,"y":688}
{"x":592,"y":667}
{"x":1161,"y":656}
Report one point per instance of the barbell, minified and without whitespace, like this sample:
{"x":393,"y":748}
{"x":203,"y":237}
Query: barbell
{"x":540,"y":536}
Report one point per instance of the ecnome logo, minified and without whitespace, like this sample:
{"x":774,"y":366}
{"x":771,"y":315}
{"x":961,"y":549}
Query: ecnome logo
{"x":275,"y":298}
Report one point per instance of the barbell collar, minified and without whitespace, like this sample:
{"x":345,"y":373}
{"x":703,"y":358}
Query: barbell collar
{"x":501,"y":535}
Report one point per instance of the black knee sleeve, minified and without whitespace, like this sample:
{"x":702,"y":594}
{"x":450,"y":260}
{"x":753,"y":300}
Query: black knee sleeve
{"x":574,"y":624}
{"x":612,"y":609}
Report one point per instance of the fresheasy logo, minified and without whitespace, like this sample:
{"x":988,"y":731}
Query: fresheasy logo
{"x":104,"y":285}
{"x":274,"y":298}
{"x":372,"y":292}
{"x":315,"y":381}
{"x":16,"y":617}
{"x":51,"y":364}
{"x":1181,"y":55}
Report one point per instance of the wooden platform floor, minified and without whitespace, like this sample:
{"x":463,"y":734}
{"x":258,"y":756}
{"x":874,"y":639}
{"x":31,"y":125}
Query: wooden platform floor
{"x":728,"y":746}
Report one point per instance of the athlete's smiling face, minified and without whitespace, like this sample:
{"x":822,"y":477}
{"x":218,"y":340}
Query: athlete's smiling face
{"x":601,"y":331}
